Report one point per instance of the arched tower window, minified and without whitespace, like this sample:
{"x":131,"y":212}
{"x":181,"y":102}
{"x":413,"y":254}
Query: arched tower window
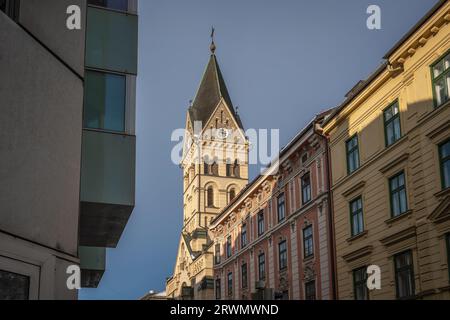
{"x":215,"y":168}
{"x":236,"y":169}
{"x":228,"y":168}
{"x":210,"y":196}
{"x":206,"y":165}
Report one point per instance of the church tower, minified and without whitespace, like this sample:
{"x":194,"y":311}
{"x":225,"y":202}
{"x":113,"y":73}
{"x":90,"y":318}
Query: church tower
{"x":215,"y":170}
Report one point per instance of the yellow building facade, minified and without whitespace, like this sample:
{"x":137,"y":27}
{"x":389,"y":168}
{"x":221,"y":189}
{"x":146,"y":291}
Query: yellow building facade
{"x":389,"y":147}
{"x":215,"y":170}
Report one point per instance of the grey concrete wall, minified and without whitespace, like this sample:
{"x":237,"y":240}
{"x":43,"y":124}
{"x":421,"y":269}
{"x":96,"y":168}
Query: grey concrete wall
{"x":46,"y":20}
{"x":40,"y":141}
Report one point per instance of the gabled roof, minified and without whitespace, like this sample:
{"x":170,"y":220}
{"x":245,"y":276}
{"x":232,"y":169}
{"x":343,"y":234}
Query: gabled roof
{"x":187,"y":240}
{"x":211,"y":90}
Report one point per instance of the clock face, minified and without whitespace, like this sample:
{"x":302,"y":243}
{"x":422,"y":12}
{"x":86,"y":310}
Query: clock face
{"x":222,"y":133}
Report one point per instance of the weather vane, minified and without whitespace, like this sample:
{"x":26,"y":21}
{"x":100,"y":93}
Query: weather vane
{"x":213,"y":45}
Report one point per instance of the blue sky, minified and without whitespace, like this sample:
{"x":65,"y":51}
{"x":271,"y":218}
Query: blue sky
{"x":283,"y":62}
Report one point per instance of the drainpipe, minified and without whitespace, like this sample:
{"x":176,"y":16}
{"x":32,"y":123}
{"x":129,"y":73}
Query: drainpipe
{"x":319,"y":131}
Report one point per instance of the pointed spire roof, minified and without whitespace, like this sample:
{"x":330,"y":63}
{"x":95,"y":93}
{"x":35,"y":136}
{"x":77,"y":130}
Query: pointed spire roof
{"x":211,"y":90}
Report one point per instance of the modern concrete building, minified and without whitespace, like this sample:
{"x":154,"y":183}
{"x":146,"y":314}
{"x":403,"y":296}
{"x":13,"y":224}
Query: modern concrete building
{"x":273,"y":241}
{"x":107,"y":188}
{"x":389,"y":146}
{"x":67,"y":141}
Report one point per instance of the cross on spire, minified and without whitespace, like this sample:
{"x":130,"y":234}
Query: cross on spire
{"x":213,"y":45}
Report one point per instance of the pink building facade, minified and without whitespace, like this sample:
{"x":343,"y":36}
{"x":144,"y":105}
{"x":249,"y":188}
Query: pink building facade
{"x":273,"y":241}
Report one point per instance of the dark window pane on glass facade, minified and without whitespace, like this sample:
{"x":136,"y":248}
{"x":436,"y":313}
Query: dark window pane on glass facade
{"x":14,"y":286}
{"x":104,"y":104}
{"x":111,"y":4}
{"x":111,"y":43}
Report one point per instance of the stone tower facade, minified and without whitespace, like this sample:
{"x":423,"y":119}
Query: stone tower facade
{"x":215,"y":170}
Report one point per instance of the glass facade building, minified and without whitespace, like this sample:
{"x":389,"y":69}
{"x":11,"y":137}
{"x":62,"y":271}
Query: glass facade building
{"x":108,"y":144}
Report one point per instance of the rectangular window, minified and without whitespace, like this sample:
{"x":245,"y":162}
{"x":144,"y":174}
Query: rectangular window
{"x":261,"y":223}
{"x":11,"y":8}
{"x":444,"y":157}
{"x":282,"y":255}
{"x":352,"y":149}
{"x":310,"y":290}
{"x":228,"y":248}
{"x":398,"y":194}
{"x":448,"y":254}
{"x":104,"y":101}
{"x":441,"y":80}
{"x":262,"y":266}
{"x":281,"y":207}
{"x":360,"y":290}
{"x":356,"y":217}
{"x":306,"y":189}
{"x":110,"y":4}
{"x":244,"y":276}
{"x":308,"y":242}
{"x":244,"y":235}
{"x":230,"y":284}
{"x":404,"y":275}
{"x":392,"y":129}
{"x":14,"y":286}
{"x":218,"y":290}
{"x":217,"y":254}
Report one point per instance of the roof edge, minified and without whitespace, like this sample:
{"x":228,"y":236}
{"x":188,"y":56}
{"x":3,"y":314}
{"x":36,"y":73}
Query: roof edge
{"x":416,"y":27}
